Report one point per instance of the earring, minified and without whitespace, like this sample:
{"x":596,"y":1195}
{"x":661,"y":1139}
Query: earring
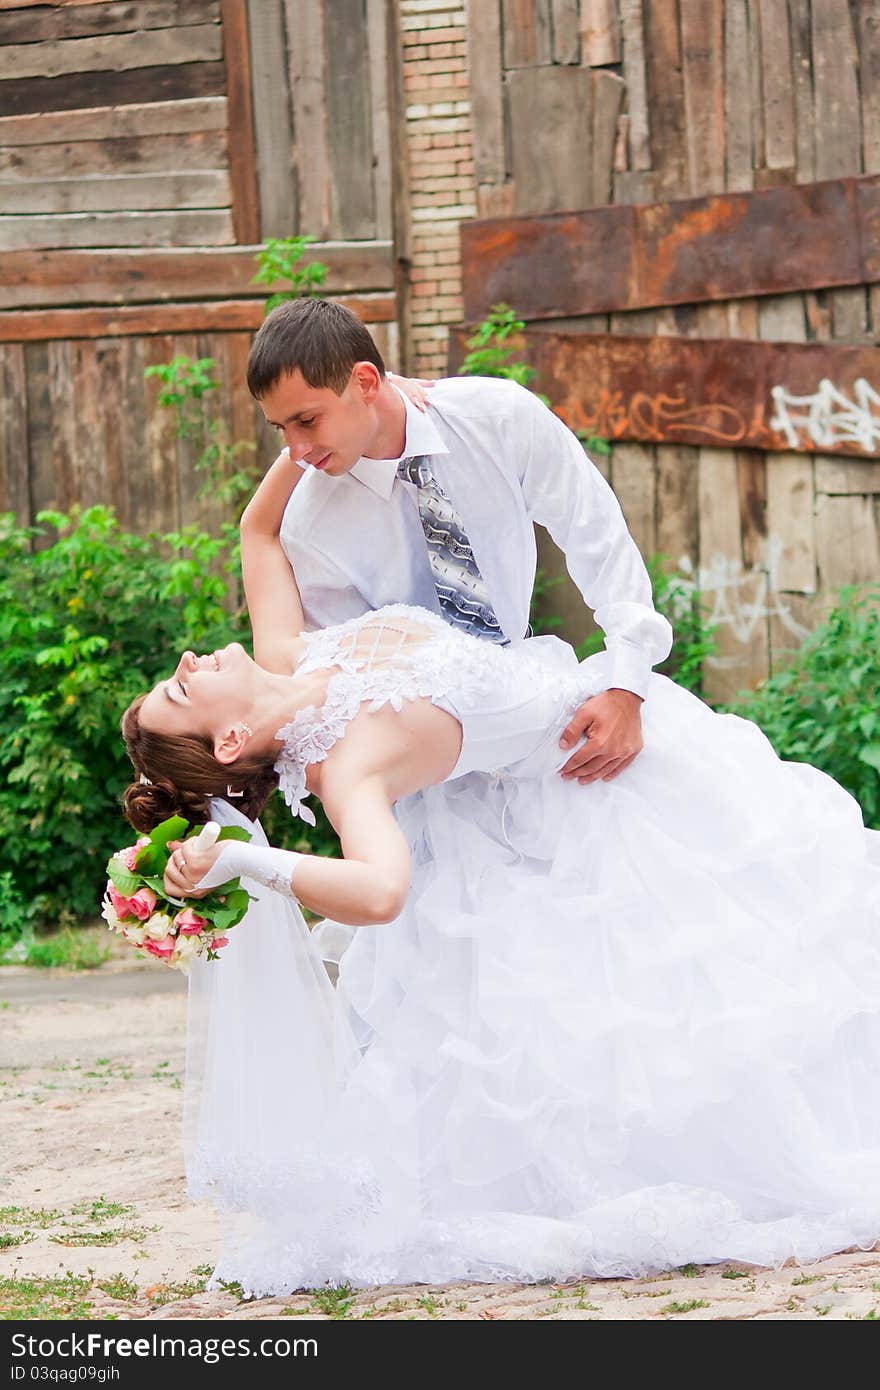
{"x":246,"y":729}
{"x":230,"y":792}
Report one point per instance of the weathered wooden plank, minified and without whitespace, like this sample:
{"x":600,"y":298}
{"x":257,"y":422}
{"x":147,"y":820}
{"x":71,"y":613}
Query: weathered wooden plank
{"x":600,"y":32}
{"x":188,"y":116}
{"x":802,"y":70}
{"x":159,"y":505}
{"x":802,"y":397}
{"x":134,"y":433}
{"x":836,"y":109}
{"x":75,"y":21}
{"x":273,"y":130}
{"x":666,"y":253}
{"x":781,"y":319}
{"x":750,"y":82}
{"x":37,"y":325}
{"x":703,"y":78}
{"x":840,"y":475}
{"x":550,"y":111}
{"x":110,"y":440}
{"x":565,"y":15}
{"x":527,"y":33}
{"x":677,"y":505}
{"x":22,"y":95}
{"x":15,"y":493}
{"x":846,"y":541}
{"x":63,"y":408}
{"x":242,"y":157}
{"x":634,"y":73}
{"x":380,"y":45}
{"x":666,"y":96}
{"x":737,"y":595}
{"x":776,"y":86}
{"x":187,"y":450}
{"x":80,"y":229}
{"x":634,"y":480}
{"x":349,"y":132}
{"x":115,"y":193}
{"x":29,"y":279}
{"x":196,"y":43}
{"x":868,"y":12}
{"x":201,"y":151}
{"x":849,"y":315}
{"x":608,"y":92}
{"x":751,"y":477}
{"x":37,"y":448}
{"x":634,"y":186}
{"x":739,"y":174}
{"x":790,"y":525}
{"x":487,"y":93}
{"x":305,"y":57}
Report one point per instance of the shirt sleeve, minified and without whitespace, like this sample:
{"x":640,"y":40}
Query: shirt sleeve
{"x":565,"y":492}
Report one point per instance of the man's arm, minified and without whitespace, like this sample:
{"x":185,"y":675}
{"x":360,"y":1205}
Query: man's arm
{"x":271,"y":591}
{"x":565,"y":492}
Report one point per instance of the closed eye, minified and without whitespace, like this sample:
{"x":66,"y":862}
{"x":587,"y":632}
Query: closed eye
{"x":182,"y":688}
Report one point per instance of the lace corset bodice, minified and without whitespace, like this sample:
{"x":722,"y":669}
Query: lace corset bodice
{"x":403,"y":653}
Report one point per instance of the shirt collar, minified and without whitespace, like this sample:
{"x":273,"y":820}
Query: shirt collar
{"x":422,"y":437}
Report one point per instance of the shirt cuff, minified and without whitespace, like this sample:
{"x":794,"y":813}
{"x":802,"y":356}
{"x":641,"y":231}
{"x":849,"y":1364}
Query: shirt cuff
{"x":628,"y":669}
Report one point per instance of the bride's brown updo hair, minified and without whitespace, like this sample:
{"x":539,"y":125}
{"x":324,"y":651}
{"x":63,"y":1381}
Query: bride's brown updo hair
{"x":179,"y":774}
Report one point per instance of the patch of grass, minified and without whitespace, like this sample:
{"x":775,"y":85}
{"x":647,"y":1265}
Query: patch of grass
{"x":687,"y":1307}
{"x":807,"y":1279}
{"x":54,"y":1299}
{"x":111,"y":1235}
{"x":117,"y":1286}
{"x":431,"y":1305}
{"x":29,"y":1216}
{"x":334,"y":1302}
{"x":690,"y":1271}
{"x":821,"y":1309}
{"x":657,"y":1293}
{"x":8,"y":1240}
{"x":734,"y":1274}
{"x":235,"y":1289}
{"x":99,"y":1209}
{"x":290,"y":1312}
{"x":111,"y":1071}
{"x":160,"y":1294}
{"x":74,"y":950}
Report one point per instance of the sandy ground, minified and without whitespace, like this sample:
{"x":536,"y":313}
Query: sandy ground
{"x":91,"y":1124}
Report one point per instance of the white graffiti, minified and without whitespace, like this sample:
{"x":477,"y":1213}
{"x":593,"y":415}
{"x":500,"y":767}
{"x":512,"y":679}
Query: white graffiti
{"x":828,"y":417}
{"x":737,"y":598}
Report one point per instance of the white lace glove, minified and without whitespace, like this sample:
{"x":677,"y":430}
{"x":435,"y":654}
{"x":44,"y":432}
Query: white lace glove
{"x":272,"y":867}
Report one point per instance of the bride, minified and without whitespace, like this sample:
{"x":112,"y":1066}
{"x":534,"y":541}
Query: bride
{"x":576,"y":1031}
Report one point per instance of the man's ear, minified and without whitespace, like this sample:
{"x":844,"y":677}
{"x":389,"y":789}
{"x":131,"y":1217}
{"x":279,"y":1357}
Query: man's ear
{"x":368,"y":379}
{"x":228,"y":746}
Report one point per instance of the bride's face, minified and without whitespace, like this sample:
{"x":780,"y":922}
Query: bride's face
{"x":205,"y":695}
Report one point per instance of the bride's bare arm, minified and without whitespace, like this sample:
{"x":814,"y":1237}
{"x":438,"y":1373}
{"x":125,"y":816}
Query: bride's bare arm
{"x":370,"y":883}
{"x":271,"y":590}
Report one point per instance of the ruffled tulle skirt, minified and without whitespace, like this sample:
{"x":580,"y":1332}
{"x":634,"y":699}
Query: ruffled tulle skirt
{"x":617,"y":1028}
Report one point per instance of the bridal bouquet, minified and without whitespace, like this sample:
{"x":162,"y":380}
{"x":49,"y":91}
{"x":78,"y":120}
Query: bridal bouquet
{"x":173,"y":930}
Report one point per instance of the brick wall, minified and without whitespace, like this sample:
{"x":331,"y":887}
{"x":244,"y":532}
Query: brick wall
{"x":440,"y":158}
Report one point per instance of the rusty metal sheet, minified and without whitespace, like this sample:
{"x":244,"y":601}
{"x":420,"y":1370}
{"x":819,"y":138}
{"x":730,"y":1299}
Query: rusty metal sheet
{"x":771,"y":241}
{"x":725,"y":392}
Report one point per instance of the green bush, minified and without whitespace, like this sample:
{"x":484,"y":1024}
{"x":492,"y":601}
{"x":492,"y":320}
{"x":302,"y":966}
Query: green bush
{"x":824,"y":708}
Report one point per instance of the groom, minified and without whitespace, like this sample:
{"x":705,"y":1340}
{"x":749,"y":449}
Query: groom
{"x":390,"y":505}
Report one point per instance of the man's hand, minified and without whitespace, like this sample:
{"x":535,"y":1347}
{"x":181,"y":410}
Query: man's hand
{"x":612,"y":723}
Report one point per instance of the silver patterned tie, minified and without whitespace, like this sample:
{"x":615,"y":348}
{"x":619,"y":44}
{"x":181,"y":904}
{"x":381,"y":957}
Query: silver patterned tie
{"x":461,"y":589}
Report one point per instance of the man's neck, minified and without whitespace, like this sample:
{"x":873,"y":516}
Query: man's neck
{"x":389,"y":440}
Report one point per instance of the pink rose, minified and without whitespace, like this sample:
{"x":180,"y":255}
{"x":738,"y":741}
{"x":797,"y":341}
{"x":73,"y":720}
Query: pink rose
{"x":121,"y":905}
{"x":130,"y":855}
{"x":189,"y":923}
{"x":163,"y":949}
{"x":142,"y":903}
{"x":218,"y":942}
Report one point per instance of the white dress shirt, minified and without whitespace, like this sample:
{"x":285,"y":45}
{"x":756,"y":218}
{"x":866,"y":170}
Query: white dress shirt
{"x":355,"y":542}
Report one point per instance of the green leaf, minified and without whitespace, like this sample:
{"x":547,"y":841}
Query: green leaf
{"x":234,"y":832}
{"x":174,"y":828}
{"x":123,"y":880}
{"x":870,"y":755}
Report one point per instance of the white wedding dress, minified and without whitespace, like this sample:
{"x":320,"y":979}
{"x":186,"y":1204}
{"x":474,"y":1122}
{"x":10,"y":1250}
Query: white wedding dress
{"x":616,"y":1028}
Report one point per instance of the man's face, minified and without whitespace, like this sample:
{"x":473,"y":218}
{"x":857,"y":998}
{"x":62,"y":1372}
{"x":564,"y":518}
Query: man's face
{"x":327,"y":431}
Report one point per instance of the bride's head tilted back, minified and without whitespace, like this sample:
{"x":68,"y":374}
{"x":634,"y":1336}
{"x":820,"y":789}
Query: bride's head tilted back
{"x":188,"y":740}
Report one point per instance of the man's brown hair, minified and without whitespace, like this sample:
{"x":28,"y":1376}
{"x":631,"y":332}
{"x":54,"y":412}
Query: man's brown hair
{"x":317,"y":337}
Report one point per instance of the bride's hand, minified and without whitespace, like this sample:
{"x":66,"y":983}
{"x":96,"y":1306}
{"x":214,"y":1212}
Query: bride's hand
{"x":187,"y":866}
{"x":414,"y":388}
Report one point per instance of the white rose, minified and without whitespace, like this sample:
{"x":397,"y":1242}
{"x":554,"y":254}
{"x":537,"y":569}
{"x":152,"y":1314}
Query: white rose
{"x":135,"y":934}
{"x":109,"y":916}
{"x":158,"y":926}
{"x":186,"y":949}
